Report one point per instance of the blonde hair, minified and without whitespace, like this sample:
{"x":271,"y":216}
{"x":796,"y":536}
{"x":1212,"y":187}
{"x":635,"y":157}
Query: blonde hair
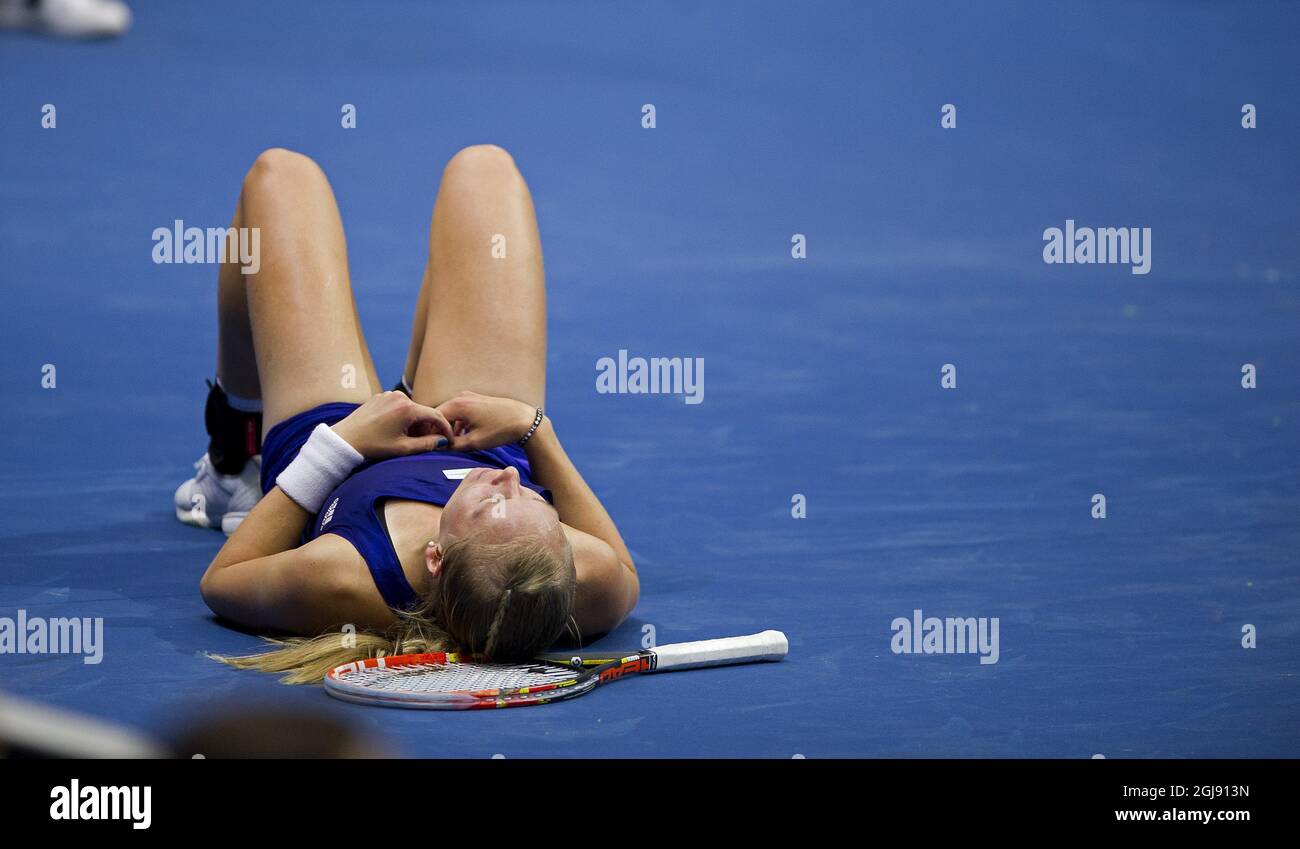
{"x":507,"y":601}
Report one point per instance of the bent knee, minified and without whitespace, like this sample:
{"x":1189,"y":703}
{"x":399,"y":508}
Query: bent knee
{"x":278,"y":165}
{"x":481,"y":162}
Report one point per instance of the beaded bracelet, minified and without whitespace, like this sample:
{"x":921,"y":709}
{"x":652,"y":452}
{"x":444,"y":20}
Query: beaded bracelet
{"x":537,"y":422}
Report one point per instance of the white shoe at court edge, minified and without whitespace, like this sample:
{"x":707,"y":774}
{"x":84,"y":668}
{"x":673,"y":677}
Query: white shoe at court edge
{"x":213,"y":500}
{"x":67,"y":18}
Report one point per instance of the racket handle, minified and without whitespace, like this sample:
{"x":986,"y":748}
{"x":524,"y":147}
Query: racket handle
{"x":769,"y":645}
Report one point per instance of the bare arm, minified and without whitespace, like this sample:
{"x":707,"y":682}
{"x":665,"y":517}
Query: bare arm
{"x":274,"y":525}
{"x":607,"y":589}
{"x":305,"y":590}
{"x":261,"y":578}
{"x":608,"y":585}
{"x":577,"y":505}
{"x":255,"y":574}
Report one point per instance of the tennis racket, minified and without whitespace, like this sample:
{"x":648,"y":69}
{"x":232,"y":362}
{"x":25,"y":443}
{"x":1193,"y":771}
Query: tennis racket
{"x":451,"y":681}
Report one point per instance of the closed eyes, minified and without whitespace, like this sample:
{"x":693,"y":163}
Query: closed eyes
{"x":497,"y":498}
{"x":494,"y":498}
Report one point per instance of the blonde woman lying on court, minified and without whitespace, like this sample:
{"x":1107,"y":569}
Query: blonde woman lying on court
{"x":451,"y":518}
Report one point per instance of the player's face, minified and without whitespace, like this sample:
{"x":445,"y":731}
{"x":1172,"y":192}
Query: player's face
{"x":493,"y":506}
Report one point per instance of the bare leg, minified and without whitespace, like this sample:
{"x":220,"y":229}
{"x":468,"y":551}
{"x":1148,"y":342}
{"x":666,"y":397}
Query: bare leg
{"x":236,"y":359}
{"x":484,"y":325}
{"x":300,"y":317}
{"x":417,"y":331}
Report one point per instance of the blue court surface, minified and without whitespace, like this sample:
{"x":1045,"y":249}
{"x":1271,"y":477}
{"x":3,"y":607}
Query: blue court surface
{"x":1168,"y":628}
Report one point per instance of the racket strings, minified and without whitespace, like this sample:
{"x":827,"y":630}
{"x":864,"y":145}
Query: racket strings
{"x":452,"y":677}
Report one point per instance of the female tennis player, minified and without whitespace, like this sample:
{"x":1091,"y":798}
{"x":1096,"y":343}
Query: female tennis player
{"x":445,"y":515}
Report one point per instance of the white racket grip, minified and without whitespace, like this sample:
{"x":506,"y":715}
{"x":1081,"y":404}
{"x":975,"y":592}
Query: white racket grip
{"x":769,"y":645}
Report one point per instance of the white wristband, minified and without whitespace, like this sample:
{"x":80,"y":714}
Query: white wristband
{"x":324,"y":461}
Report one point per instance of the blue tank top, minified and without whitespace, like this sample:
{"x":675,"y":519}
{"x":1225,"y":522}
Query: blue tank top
{"x":353,"y":512}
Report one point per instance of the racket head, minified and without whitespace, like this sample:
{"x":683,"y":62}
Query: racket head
{"x":455,"y":681}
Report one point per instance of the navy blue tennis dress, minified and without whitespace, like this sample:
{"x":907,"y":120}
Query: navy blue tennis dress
{"x":352,"y":510}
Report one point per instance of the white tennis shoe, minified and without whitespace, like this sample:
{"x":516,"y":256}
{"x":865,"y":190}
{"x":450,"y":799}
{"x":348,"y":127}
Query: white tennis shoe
{"x":213,"y":500}
{"x":68,"y":18}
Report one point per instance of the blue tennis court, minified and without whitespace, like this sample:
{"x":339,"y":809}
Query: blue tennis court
{"x":918,"y":414}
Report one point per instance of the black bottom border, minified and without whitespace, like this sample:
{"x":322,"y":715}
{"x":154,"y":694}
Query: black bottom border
{"x":332,"y":798}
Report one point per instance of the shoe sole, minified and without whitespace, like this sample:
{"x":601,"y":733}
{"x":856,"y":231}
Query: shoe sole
{"x":188,"y":517}
{"x":231,"y":521}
